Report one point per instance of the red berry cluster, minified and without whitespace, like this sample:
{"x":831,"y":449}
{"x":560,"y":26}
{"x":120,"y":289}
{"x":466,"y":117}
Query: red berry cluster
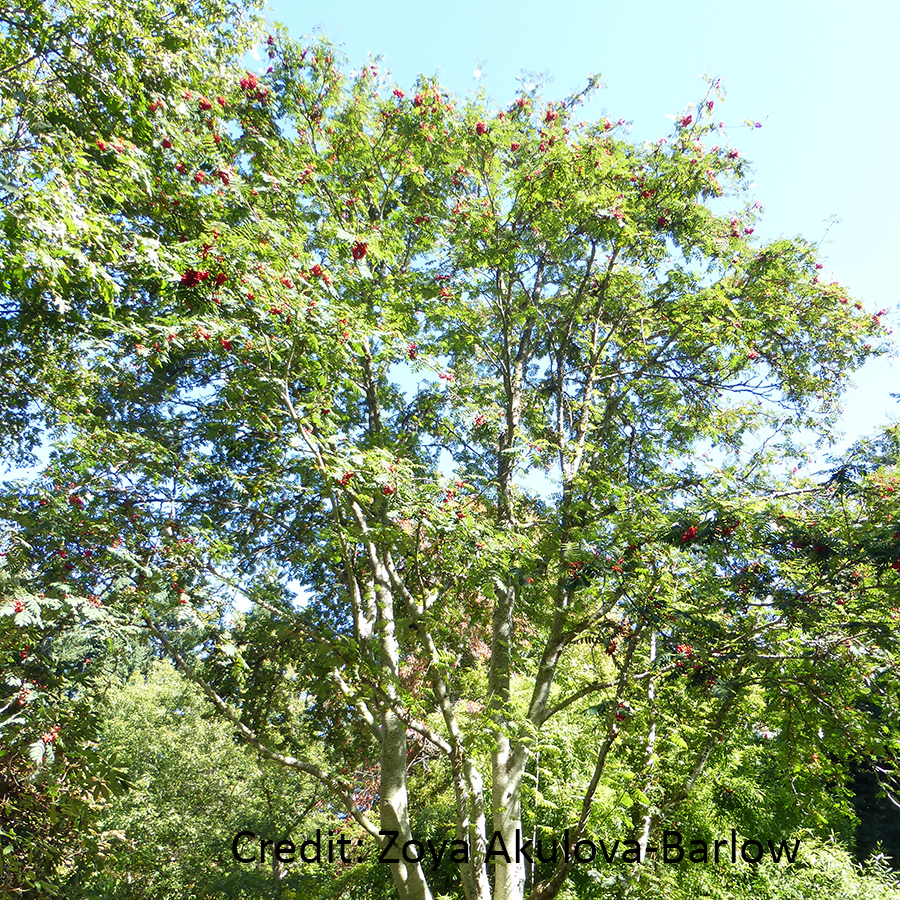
{"x":250,"y":85}
{"x":192,"y":278}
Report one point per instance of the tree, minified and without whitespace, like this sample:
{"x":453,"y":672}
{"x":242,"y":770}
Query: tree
{"x":389,"y":311}
{"x":193,"y":788}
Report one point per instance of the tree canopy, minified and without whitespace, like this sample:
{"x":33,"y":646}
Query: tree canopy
{"x":441,"y":444}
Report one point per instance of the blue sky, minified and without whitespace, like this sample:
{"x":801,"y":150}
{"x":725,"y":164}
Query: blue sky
{"x":821,"y":77}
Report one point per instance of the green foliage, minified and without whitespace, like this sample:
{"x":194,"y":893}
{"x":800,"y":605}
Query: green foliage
{"x":54,"y":782}
{"x":88,"y":92}
{"x":827,"y":871}
{"x":193,"y":788}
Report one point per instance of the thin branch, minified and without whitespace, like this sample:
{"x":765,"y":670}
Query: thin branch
{"x":342,"y":789}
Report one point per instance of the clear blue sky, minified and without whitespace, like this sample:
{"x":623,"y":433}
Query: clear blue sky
{"x":822,"y":77}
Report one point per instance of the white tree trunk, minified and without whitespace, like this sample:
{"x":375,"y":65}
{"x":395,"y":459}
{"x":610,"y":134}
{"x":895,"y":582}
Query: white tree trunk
{"x":409,"y":877}
{"x":509,"y":877}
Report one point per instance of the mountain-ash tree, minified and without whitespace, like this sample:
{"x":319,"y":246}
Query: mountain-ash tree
{"x":306,"y":459}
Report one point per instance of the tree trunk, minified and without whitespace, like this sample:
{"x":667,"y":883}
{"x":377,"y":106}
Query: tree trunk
{"x":509,"y":876}
{"x":408,"y":876}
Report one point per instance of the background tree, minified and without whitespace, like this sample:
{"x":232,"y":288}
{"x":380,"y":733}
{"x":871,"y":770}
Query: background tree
{"x":193,"y":788}
{"x":384,"y":312}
